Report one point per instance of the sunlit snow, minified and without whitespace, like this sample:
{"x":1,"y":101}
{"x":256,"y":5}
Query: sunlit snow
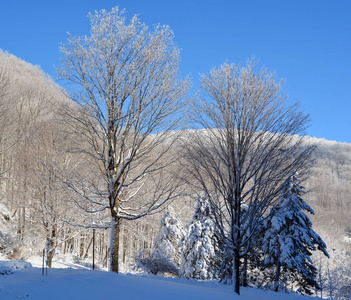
{"x":70,"y":281}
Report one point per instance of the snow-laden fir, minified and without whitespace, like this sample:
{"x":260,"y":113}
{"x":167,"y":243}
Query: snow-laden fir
{"x":200,"y":257}
{"x":289,"y":238}
{"x":166,"y":241}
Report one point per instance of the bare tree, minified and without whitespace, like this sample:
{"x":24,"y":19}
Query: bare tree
{"x":30,"y":143}
{"x":5,"y":105}
{"x":249,"y":145}
{"x":128,"y":92}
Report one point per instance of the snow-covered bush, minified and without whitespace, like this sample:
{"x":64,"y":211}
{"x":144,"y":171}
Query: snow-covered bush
{"x":8,"y":267}
{"x":6,"y":244}
{"x":8,"y":240}
{"x":4,"y":270}
{"x":155,"y":265}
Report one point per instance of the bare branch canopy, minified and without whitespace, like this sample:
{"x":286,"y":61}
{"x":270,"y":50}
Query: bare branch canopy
{"x":251,"y":141}
{"x":125,"y":81}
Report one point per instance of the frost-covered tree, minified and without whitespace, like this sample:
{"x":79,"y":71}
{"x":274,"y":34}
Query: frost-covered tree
{"x":126,"y":83}
{"x":167,"y":241}
{"x":252,"y":141}
{"x":289,"y":239}
{"x":201,"y":256}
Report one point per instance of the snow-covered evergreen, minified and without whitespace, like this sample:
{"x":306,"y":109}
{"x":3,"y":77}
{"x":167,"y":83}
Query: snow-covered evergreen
{"x":201,"y":253}
{"x":289,"y":239}
{"x":167,"y":240}
{"x":166,"y":256}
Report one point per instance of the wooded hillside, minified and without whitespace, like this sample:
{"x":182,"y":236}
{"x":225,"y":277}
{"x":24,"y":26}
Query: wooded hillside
{"x":36,"y":206}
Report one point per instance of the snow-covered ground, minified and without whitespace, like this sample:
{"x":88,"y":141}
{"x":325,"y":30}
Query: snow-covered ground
{"x":69,"y":281}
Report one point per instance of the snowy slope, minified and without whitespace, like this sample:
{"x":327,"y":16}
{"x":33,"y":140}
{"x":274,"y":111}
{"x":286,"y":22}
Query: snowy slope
{"x":85,"y":284}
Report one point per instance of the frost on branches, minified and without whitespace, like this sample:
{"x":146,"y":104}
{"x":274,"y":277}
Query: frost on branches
{"x":200,"y":257}
{"x":289,"y":239}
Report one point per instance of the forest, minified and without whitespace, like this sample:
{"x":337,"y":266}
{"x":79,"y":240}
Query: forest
{"x":120,"y":163}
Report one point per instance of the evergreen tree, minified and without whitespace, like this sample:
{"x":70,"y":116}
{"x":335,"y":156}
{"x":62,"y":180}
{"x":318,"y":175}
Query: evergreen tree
{"x":201,"y":253}
{"x":289,"y":239}
{"x":167,"y":240}
{"x":166,"y":257}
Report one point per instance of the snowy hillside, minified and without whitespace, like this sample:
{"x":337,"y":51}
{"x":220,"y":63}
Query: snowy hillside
{"x":69,"y":283}
{"x":45,"y":180}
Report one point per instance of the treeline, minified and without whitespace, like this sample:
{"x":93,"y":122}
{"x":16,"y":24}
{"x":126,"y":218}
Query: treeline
{"x":33,"y":148}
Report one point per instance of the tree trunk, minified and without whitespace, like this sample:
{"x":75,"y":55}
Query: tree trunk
{"x":125,"y":241}
{"x":102,"y":246}
{"x":114,"y":245}
{"x":81,"y":246}
{"x":19,"y":227}
{"x":87,"y":250}
{"x":277,"y":275}
{"x":244,"y":281}
{"x":236,"y":271}
{"x":24,"y":218}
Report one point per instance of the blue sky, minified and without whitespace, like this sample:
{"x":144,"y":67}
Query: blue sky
{"x":308,"y":42}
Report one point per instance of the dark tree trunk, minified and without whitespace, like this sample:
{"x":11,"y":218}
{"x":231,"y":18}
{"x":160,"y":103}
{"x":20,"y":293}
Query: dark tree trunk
{"x":236,"y":271}
{"x":244,"y":281}
{"x":277,"y":275}
{"x":114,"y":248}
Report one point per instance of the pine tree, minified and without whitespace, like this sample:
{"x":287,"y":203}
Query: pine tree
{"x":167,"y":240}
{"x":201,"y":253}
{"x":166,"y":257}
{"x":289,"y":239}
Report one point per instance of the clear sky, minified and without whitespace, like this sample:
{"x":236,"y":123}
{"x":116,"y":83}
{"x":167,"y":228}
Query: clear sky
{"x":308,"y":42}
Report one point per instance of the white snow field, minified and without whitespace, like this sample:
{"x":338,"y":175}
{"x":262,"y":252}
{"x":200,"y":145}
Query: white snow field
{"x":74,"y":283}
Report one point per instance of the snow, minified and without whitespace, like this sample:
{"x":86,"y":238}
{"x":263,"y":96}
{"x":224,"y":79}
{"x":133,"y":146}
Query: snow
{"x":58,"y":262}
{"x":9,"y":267}
{"x":74,"y":283}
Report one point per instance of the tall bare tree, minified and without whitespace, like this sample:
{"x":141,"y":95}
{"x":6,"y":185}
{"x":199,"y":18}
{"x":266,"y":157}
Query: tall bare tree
{"x":128,"y":92}
{"x":249,"y":145}
{"x":5,"y":106}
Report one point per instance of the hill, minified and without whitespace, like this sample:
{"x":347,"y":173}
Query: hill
{"x":328,"y":193}
{"x":36,"y":207}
